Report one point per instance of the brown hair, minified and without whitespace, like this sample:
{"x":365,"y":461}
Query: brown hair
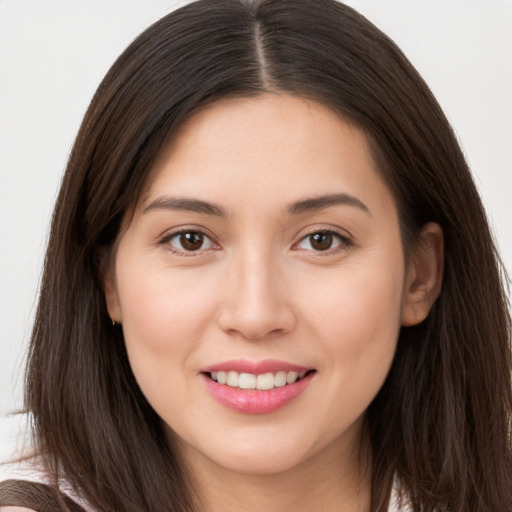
{"x":441,"y":422}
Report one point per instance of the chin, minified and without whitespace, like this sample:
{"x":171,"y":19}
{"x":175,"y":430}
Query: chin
{"x":262,"y":453}
{"x":257,"y":465}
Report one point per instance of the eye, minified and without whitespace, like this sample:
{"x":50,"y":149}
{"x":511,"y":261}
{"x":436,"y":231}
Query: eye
{"x":321,"y":241}
{"x":189,"y":241}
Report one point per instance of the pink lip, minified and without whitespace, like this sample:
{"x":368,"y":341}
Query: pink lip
{"x":254,"y":401}
{"x":254,"y":367}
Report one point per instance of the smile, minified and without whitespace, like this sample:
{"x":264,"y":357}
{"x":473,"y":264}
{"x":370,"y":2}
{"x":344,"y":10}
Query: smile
{"x":262,"y":382}
{"x":256,"y":387}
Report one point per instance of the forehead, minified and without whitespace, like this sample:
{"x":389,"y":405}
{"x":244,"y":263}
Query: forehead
{"x":268,"y":147}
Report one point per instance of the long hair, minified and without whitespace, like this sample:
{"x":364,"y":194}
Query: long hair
{"x":440,"y":425}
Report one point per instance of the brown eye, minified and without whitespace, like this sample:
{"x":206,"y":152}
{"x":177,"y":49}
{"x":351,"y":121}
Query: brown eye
{"x":322,"y":241}
{"x":189,"y":241}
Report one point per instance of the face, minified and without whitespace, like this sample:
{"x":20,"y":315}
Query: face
{"x":260,"y":284}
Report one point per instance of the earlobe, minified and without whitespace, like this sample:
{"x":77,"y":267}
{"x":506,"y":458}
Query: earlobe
{"x":111,"y":297}
{"x":424,"y":275}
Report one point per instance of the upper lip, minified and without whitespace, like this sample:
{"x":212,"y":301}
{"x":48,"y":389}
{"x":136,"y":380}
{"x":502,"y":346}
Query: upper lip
{"x":255,"y":367}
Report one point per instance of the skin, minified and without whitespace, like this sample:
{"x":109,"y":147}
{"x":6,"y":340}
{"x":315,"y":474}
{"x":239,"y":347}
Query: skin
{"x":258,"y":289}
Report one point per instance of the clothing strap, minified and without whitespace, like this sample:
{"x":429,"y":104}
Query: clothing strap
{"x":37,"y":496}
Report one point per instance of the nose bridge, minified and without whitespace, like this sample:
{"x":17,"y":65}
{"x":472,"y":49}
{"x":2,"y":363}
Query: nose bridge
{"x":256,"y":301}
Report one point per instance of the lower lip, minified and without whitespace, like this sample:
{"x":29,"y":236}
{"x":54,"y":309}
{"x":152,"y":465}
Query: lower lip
{"x":254,"y":401}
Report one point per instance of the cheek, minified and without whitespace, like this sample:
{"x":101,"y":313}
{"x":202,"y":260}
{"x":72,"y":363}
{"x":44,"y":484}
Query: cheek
{"x":163,"y":318}
{"x":356,"y":317}
{"x":355,"y":326}
{"x":359,"y":297}
{"x":161,"y":309}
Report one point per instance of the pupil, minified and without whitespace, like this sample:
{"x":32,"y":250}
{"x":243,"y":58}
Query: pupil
{"x":321,"y":241}
{"x":191,"y":241}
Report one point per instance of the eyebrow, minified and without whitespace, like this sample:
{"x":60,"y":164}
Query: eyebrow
{"x":185,"y":204}
{"x":302,"y":206}
{"x":321,"y":202}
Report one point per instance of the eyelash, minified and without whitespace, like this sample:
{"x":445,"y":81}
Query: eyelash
{"x":183,"y":252}
{"x":344,"y":242}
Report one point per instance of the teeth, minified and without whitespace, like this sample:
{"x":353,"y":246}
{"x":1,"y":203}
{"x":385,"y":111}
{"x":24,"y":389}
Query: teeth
{"x":247,"y":381}
{"x":233,"y":378}
{"x":280,"y":379}
{"x":262,"y":382}
{"x":266,"y":381}
{"x":291,"y":377}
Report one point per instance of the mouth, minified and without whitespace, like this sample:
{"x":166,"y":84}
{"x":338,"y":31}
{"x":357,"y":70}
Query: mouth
{"x":261,"y":382}
{"x":256,"y":387}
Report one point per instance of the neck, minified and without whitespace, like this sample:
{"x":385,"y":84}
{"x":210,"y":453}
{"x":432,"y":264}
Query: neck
{"x":333,"y":480}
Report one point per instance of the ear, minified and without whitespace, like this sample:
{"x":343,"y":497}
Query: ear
{"x":424,"y":275}
{"x":111,"y":296}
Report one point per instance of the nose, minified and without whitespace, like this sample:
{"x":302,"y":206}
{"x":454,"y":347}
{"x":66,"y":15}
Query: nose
{"x":255,"y":302}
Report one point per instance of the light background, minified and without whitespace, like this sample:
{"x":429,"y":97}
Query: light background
{"x":53,"y":54}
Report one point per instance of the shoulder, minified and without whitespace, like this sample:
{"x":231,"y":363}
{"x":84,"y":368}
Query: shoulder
{"x":24,"y":495}
{"x":25,"y":487}
{"x":16,"y":463}
{"x":16,"y":509}
{"x":28,"y":469}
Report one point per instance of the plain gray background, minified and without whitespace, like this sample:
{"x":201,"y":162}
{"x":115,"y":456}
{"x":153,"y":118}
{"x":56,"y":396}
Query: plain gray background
{"x":53,"y":54}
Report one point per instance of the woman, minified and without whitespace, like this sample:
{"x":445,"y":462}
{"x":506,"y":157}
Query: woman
{"x":269,"y":282}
